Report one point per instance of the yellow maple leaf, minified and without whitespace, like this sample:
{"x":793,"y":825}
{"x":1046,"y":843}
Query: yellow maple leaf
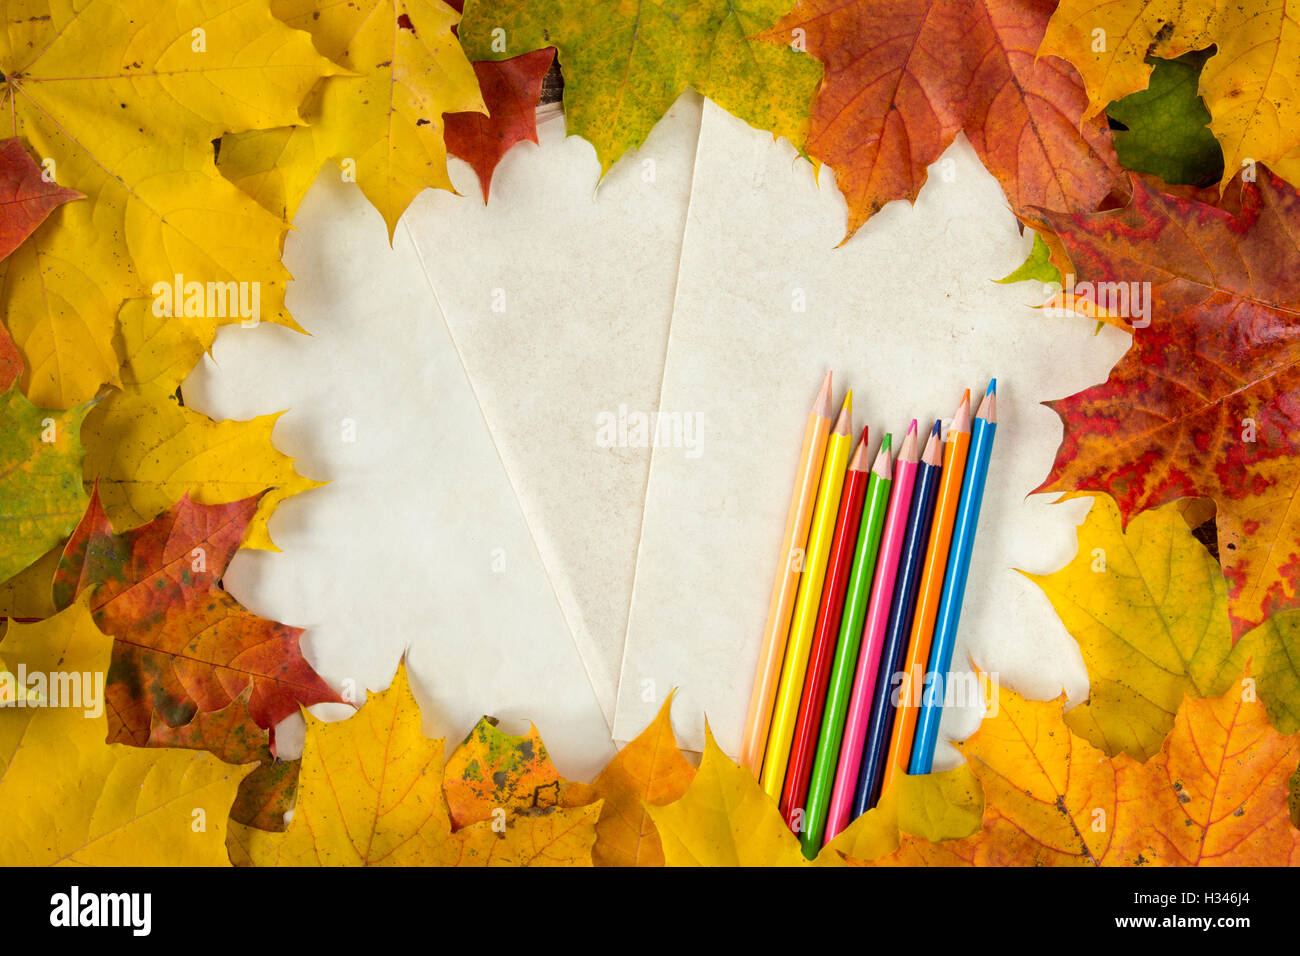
{"x":11,"y":691}
{"x":939,"y":806}
{"x":649,"y":770}
{"x":383,"y":123}
{"x":725,"y":819}
{"x":1215,"y":793}
{"x":159,"y":351}
{"x":145,"y":451}
{"x":370,"y":794}
{"x":1248,"y":84}
{"x":30,"y":592}
{"x":1149,"y":608}
{"x":67,"y":797}
{"x":121,"y":100}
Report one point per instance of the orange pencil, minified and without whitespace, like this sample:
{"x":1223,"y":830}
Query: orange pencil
{"x":956,"y":445}
{"x":771,"y":653}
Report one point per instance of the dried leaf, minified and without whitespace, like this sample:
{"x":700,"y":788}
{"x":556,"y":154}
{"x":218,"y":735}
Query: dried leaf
{"x":67,"y":797}
{"x":182,"y":643}
{"x":903,"y":77}
{"x":1202,"y":405}
{"x":625,"y":64}
{"x":41,"y":497}
{"x":1149,"y":608}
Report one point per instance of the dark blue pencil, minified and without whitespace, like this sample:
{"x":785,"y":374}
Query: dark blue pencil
{"x":917,"y":538}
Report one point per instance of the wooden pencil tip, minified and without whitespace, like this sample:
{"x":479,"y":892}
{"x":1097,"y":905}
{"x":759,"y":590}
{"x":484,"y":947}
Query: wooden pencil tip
{"x":993,"y":387}
{"x":908,"y":452}
{"x":933,"y":454}
{"x":881,"y":467}
{"x":989,"y":408}
{"x":961,"y":418}
{"x":822,"y":404}
{"x":859,"y":461}
{"x":844,"y":424}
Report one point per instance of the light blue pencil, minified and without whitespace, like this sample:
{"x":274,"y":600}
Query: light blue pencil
{"x":954,"y":582}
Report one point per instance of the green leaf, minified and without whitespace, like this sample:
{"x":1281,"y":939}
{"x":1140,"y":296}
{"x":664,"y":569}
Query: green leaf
{"x":41,"y":495}
{"x":625,"y":64}
{"x":1037,"y":266}
{"x":1166,"y":125}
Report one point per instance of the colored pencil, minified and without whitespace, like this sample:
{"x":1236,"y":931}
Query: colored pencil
{"x":786,"y":583}
{"x":873,"y":637}
{"x":846,"y":650}
{"x":900,"y":624}
{"x":954,"y":584}
{"x":804,"y":744}
{"x":788,"y":692}
{"x":955,"y":445}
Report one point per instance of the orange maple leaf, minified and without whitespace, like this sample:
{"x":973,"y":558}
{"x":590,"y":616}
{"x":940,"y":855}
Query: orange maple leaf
{"x":1216,"y":794}
{"x":903,"y":77}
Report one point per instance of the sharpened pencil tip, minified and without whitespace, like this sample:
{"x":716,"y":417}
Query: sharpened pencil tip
{"x":932,"y":455}
{"x":993,"y":387}
{"x":844,"y":424}
{"x":938,"y":428}
{"x":822,"y":403}
{"x":859,"y":462}
{"x":908,"y":452}
{"x":888,"y":442}
{"x":961,"y":419}
{"x":881,"y":467}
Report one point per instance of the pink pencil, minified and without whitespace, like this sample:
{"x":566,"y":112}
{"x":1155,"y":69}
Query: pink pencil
{"x":873,"y":637}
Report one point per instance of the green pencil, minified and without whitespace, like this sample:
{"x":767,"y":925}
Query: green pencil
{"x":846,"y":652}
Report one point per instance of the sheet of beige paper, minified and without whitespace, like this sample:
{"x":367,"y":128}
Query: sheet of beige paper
{"x":906,"y":313}
{"x":417,"y":545}
{"x":558,"y":295}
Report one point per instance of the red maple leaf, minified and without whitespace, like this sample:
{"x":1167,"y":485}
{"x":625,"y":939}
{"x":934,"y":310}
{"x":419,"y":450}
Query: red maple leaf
{"x":26,"y":196}
{"x":1206,"y":402}
{"x":511,"y":91}
{"x":182,"y":644}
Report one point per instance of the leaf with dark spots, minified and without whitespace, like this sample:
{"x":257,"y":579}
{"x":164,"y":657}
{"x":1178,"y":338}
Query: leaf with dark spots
{"x":230,"y":733}
{"x":182,"y":644}
{"x":492,"y":770}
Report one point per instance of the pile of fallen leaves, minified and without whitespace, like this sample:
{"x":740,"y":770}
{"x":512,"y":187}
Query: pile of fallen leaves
{"x":155,"y":161}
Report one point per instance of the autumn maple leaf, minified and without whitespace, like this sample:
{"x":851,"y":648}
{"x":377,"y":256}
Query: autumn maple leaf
{"x":1248,"y":83}
{"x":903,"y":77}
{"x":625,"y":64}
{"x":511,"y":91}
{"x":183,"y":644}
{"x":1204,"y":402}
{"x":231,"y":734}
{"x":26,"y":196}
{"x":371,"y":795}
{"x":383,"y":121}
{"x":41,"y":495}
{"x":68,"y":797}
{"x":122,"y":104}
{"x":1214,"y":794}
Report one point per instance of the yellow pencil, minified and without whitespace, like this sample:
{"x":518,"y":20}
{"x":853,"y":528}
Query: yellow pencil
{"x":788,"y":692}
{"x":786,"y":585}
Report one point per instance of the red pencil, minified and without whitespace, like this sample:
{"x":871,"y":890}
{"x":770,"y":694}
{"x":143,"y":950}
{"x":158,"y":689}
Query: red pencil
{"x":807,"y":726}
